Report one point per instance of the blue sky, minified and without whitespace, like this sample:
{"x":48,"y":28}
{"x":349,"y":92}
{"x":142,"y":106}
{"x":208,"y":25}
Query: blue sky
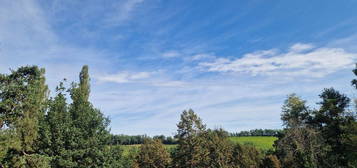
{"x":233,"y":62}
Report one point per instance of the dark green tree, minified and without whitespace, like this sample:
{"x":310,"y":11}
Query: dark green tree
{"x":354,"y":81}
{"x":89,"y":133}
{"x":55,"y":130}
{"x":331,"y":120}
{"x":351,"y":139}
{"x":23,"y":97}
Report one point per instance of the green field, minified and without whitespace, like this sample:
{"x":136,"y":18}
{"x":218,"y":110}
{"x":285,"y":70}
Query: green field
{"x":260,"y":142}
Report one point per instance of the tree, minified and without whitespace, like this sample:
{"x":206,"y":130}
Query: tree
{"x":301,"y":147}
{"x":76,"y":135}
{"x":354,"y":81}
{"x":23,"y":96}
{"x":152,"y":154}
{"x":246,"y":156}
{"x":190,"y":152}
{"x":351,"y":139}
{"x":331,"y":120}
{"x":271,"y":161}
{"x":89,"y":133}
{"x":220,"y":148}
{"x":113,"y":157}
{"x":55,"y":130}
{"x":294,"y":112}
{"x":201,"y":148}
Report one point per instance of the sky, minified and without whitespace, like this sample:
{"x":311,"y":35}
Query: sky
{"x":232,"y":61}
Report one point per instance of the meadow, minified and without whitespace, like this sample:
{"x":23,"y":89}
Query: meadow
{"x":260,"y":142}
{"x":263,"y":143}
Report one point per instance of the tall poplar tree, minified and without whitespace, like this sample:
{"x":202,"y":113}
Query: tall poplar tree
{"x":89,"y":126}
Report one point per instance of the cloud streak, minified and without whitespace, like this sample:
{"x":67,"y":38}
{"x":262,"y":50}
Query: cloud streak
{"x":300,"y":60}
{"x":123,"y":11}
{"x":124,"y":77}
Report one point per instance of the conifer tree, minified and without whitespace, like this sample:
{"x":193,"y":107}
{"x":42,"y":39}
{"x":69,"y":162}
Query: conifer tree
{"x":331,"y":120}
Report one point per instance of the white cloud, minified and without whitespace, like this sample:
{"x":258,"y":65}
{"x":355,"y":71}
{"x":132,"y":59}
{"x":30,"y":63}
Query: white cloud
{"x":298,"y":47}
{"x":301,"y":60}
{"x":143,"y":78}
{"x":124,"y":77}
{"x":170,"y":84}
{"x":202,"y":56}
{"x":171,"y":54}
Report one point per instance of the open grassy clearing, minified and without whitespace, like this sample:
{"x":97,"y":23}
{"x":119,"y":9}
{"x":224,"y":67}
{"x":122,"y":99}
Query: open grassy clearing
{"x":260,"y":142}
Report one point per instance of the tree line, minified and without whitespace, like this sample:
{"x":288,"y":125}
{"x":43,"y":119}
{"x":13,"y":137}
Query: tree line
{"x":258,"y":132}
{"x":139,"y":139}
{"x":66,"y":130}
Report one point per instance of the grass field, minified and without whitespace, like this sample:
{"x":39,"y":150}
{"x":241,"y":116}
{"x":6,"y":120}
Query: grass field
{"x":260,"y":142}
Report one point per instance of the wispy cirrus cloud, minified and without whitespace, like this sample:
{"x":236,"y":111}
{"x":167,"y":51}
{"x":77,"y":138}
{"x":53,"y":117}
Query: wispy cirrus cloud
{"x":124,"y":77}
{"x":28,"y":38}
{"x":300,"y":60}
{"x":143,"y":78}
{"x":123,"y":11}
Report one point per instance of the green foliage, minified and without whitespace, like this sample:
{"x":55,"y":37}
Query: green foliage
{"x":72,"y":135}
{"x":190,"y":152}
{"x":294,"y":112}
{"x":89,"y":134}
{"x":39,"y":132}
{"x":152,"y":154}
{"x":23,"y":96}
{"x":220,"y":148}
{"x":300,"y":147}
{"x":19,"y":159}
{"x":113,"y":157}
{"x":198,"y":147}
{"x":128,"y":159}
{"x":271,"y":161}
{"x":354,"y":81}
{"x":317,"y":138}
{"x":246,"y":156}
{"x":331,"y":120}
